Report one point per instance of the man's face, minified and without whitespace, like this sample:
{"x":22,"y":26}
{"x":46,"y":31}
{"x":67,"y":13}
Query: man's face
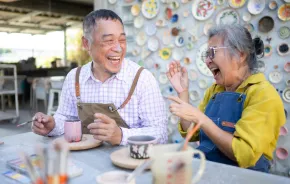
{"x":108,"y":48}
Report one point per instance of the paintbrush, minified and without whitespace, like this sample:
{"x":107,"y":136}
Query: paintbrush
{"x":26,"y":122}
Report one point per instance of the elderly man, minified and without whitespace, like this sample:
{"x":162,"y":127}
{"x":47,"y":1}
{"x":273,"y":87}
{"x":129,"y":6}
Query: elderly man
{"x":112,"y":96}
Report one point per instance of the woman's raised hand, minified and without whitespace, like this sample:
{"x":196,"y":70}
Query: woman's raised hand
{"x":177,"y":76}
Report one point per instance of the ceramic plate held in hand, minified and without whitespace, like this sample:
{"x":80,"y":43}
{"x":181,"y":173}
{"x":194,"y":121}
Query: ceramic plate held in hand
{"x":228,"y":16}
{"x":266,"y":24}
{"x":284,"y":32}
{"x":256,"y":6}
{"x":150,"y":8}
{"x":237,"y":3}
{"x":284,"y":12}
{"x":202,"y":9}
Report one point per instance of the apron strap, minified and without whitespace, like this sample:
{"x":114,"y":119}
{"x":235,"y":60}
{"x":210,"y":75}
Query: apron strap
{"x":134,"y":84}
{"x":77,"y":83}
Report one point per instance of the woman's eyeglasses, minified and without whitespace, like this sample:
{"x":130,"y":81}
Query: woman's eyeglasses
{"x":210,"y":53}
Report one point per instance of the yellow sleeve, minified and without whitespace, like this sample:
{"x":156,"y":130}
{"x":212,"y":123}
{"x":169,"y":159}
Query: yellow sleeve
{"x":258,"y":127}
{"x":201,"y":107}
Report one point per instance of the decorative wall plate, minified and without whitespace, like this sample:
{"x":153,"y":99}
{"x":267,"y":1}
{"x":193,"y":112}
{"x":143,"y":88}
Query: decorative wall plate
{"x":286,"y":94}
{"x":281,"y":153}
{"x":150,"y":29}
{"x":207,"y":27}
{"x":273,"y":5}
{"x":287,"y":66}
{"x":177,"y":54}
{"x":174,"y":119}
{"x":149,"y":63}
{"x":202,"y":9}
{"x":284,"y":32}
{"x":150,"y":8}
{"x":194,"y":95}
{"x":227,"y":16}
{"x":187,"y":60}
{"x":192,"y":75}
{"x":161,"y":23}
{"x":284,"y":12}
{"x":283,"y":131}
{"x":135,"y":10}
{"x":174,"y":5}
{"x":283,"y":49}
{"x":201,"y":66}
{"x":247,"y":16}
{"x":261,"y":66}
{"x":202,"y":83}
{"x":266,"y":24}
{"x":268,"y":50}
{"x":138,"y":22}
{"x":166,"y":37}
{"x":256,"y":6}
{"x":221,"y":2}
{"x":153,"y":44}
{"x":275,"y":77}
{"x":249,"y":27}
{"x":237,"y":3}
{"x":174,"y":18}
{"x":165,"y":53}
{"x":189,"y":45}
{"x":186,"y":13}
{"x":163,"y":78}
{"x":179,"y":41}
{"x":141,"y":38}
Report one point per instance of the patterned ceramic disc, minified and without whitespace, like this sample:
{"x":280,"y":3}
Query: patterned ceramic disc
{"x":256,"y":6}
{"x":150,"y":8}
{"x":237,"y":3}
{"x":228,"y":16}
{"x":284,"y":32}
{"x":284,"y":12}
{"x":202,"y":9}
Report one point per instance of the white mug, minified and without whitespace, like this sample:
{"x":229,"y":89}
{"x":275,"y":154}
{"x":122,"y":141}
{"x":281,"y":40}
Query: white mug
{"x":172,"y":166}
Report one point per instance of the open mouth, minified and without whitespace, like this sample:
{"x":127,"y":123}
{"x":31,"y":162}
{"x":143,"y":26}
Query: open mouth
{"x":215,"y":72}
{"x":115,"y":60}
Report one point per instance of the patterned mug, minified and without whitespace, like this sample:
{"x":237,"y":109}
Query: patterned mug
{"x":140,"y":146}
{"x":73,"y":130}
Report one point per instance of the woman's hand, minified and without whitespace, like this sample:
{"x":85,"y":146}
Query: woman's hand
{"x":177,"y":76}
{"x":186,"y":111}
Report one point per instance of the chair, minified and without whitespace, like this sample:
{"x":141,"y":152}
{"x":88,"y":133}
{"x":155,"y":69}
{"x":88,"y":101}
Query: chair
{"x":56,"y":86}
{"x":40,"y":89}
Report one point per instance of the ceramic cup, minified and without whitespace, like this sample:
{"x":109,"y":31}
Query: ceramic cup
{"x":140,"y":146}
{"x":172,"y":166}
{"x":114,"y":177}
{"x":73,"y":130}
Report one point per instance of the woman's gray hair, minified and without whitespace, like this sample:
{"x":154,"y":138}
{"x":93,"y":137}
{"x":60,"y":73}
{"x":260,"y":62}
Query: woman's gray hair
{"x":90,"y":21}
{"x":238,"y":39}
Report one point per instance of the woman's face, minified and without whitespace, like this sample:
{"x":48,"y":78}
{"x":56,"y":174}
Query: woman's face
{"x":227,"y":70}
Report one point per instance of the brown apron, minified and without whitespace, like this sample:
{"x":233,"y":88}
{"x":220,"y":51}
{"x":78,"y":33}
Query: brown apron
{"x":86,"y":111}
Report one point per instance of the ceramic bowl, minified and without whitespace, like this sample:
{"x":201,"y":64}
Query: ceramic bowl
{"x":268,"y":50}
{"x":273,"y":5}
{"x":287,"y":66}
{"x":284,"y":32}
{"x":281,"y":153}
{"x":135,"y":10}
{"x":140,"y":146}
{"x":256,"y":6}
{"x":286,"y":94}
{"x":283,"y":131}
{"x":266,"y":24}
{"x":283,"y":49}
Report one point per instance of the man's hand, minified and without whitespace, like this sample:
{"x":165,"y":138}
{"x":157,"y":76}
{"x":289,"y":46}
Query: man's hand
{"x":42,"y":124}
{"x":105,"y":129}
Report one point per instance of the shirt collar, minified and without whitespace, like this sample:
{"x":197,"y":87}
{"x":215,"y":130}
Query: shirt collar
{"x":121,"y":75}
{"x":253,"y":79}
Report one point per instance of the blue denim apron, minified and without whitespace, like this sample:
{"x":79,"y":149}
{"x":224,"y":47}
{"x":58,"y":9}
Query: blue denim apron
{"x":225,"y":109}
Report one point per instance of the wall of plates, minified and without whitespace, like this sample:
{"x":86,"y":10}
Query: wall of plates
{"x":160,"y":31}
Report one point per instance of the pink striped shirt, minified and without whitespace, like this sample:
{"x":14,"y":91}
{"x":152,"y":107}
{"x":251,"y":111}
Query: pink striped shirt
{"x":145,"y":113}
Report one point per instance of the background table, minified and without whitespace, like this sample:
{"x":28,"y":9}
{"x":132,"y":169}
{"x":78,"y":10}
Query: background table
{"x":97,"y":161}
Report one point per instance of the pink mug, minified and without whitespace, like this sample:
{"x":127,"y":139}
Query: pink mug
{"x":73,"y":131}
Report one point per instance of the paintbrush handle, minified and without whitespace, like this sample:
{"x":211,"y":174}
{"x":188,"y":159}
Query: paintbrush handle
{"x":189,"y":135}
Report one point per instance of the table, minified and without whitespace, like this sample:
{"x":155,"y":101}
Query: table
{"x":97,"y":161}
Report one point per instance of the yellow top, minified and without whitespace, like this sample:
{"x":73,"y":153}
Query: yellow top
{"x":258,"y":129}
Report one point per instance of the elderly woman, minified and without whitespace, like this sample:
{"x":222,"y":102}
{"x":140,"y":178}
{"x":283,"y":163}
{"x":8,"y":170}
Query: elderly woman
{"x":241,"y":113}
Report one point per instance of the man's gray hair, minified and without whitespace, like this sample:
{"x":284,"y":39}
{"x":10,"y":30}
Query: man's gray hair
{"x":237,"y":39}
{"x":90,"y":21}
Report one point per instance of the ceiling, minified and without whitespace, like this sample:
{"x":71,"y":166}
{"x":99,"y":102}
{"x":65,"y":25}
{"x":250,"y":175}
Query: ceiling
{"x":42,"y":16}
